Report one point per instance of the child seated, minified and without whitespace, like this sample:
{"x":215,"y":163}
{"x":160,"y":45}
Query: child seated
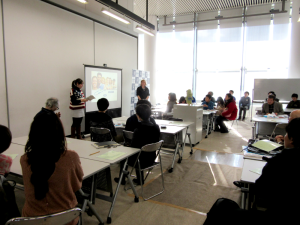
{"x":5,"y":161}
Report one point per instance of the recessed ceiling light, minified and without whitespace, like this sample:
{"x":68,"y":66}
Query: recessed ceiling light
{"x":144,"y":30}
{"x":83,"y":1}
{"x":115,"y":16}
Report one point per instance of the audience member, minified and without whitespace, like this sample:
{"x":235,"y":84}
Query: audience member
{"x":229,"y":113}
{"x":212,"y":98}
{"x":132,"y":122}
{"x":51,"y":106}
{"x":5,"y":161}
{"x":51,"y":173}
{"x":102,"y":120}
{"x":208,"y":104}
{"x":145,"y":133}
{"x":295,"y":103}
{"x":182,"y":100}
{"x":172,"y":101}
{"x":220,"y":106}
{"x":271,"y":106}
{"x":272,"y":93}
{"x":244,"y":105}
{"x":295,"y":114}
{"x":231,"y":92}
{"x":279,"y":171}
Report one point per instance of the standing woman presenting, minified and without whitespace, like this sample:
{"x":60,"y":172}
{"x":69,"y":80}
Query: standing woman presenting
{"x":77,"y":105}
{"x":142,"y":91}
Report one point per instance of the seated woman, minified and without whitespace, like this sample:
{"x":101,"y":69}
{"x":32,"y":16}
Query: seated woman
{"x":51,"y":173}
{"x":103,"y":120}
{"x":182,"y":100}
{"x":172,"y":101}
{"x":229,"y":113}
{"x":220,"y":106}
{"x":280,"y":172}
{"x":5,"y":161}
{"x":146,"y":133}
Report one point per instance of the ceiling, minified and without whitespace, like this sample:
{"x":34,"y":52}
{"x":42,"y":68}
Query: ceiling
{"x":183,"y":7}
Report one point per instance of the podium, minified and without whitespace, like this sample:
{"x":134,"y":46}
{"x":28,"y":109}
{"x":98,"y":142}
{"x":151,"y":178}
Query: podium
{"x":192,"y":113}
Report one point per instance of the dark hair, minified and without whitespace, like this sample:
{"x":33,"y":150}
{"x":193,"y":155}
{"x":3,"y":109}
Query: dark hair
{"x":231,"y":91}
{"x":102,"y":104}
{"x":247,"y":92}
{"x":220,"y":101}
{"x":182,"y":99}
{"x":172,"y":97}
{"x":209,"y":96}
{"x":144,"y":102}
{"x":143,"y":111}
{"x":293,"y":131}
{"x":46,"y":143}
{"x":229,"y":100}
{"x":272,"y":93}
{"x":75,"y":82}
{"x":6,"y":137}
{"x":294,"y":95}
{"x":272,"y":97}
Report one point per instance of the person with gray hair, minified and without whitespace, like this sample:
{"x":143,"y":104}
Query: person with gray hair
{"x":51,"y":106}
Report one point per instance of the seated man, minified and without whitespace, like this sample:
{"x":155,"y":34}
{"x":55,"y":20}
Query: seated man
{"x":101,"y":119}
{"x":272,"y":93}
{"x":295,"y":103}
{"x":208,"y":104}
{"x":295,"y":114}
{"x":212,"y":98}
{"x":272,"y":106}
{"x":231,"y":92}
{"x":133,"y":122}
{"x":244,"y":105}
{"x":280,"y":170}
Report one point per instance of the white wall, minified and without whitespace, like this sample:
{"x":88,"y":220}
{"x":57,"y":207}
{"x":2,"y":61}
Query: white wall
{"x":119,"y":51}
{"x":46,"y":48}
{"x":294,"y":68}
{"x":3,"y":103}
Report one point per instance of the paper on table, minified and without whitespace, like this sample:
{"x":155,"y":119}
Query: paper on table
{"x":266,"y":145}
{"x":257,"y":171}
{"x":111,"y":155}
{"x":13,"y":156}
{"x":91,"y":97}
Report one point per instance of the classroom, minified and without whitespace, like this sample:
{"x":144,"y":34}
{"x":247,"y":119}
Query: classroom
{"x":213,"y":83}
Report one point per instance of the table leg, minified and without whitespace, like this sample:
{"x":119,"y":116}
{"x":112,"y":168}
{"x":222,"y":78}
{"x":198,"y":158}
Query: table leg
{"x":175,"y":154}
{"x":117,"y":190}
{"x":207,"y":127}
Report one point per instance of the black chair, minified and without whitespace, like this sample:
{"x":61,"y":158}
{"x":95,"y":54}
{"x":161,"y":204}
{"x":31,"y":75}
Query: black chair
{"x":99,"y":134}
{"x":128,"y":135}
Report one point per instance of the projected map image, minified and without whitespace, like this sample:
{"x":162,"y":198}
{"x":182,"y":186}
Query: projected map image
{"x":104,"y":85}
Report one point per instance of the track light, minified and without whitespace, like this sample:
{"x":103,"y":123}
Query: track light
{"x":115,"y":16}
{"x":144,"y":30}
{"x":299,"y":16}
{"x":83,"y":1}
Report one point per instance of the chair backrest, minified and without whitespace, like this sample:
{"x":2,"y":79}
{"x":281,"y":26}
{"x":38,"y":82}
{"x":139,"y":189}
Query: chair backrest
{"x":278,"y":126}
{"x":57,"y":218}
{"x":152,"y":147}
{"x":127,"y":134}
{"x":100,"y":134}
{"x":175,"y":119}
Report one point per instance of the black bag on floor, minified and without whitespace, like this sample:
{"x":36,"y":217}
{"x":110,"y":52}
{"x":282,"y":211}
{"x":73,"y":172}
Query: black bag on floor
{"x":8,"y":206}
{"x":219,"y":210}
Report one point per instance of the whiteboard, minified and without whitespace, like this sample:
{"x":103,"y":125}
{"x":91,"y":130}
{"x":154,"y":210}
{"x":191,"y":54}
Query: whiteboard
{"x":284,"y":88}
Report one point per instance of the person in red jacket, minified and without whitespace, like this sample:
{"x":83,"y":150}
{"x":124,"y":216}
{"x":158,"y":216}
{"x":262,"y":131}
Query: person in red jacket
{"x":229,"y":113}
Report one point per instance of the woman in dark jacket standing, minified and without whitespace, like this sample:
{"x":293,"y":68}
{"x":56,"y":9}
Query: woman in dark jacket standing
{"x":77,"y":105}
{"x":142,"y":91}
{"x":229,"y":113}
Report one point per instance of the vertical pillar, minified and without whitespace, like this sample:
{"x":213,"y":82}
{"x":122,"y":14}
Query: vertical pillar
{"x":294,"y":66}
{"x":194,"y":84}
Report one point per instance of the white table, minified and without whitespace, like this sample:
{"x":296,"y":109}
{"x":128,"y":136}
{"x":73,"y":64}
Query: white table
{"x":249,"y":177}
{"x":286,"y":110}
{"x":208,"y":117}
{"x":89,"y":167}
{"x":264,"y":125}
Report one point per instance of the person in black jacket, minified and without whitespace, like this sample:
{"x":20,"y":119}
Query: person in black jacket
{"x":142,"y":92}
{"x":133,"y":122}
{"x":103,"y":120}
{"x":275,"y":189}
{"x":145,"y":133}
{"x":295,"y":103}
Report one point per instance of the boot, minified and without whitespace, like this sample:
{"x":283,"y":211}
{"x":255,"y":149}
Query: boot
{"x":73,"y":129}
{"x":78,"y":131}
